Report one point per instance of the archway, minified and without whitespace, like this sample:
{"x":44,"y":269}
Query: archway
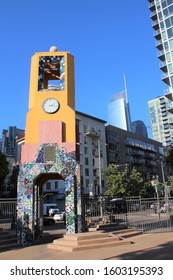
{"x":50,"y":162}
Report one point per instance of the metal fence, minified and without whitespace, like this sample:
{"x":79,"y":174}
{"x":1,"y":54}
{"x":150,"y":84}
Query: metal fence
{"x":151,"y":214}
{"x":97,"y":212}
{"x":154,"y":214}
{"x":7,"y":213}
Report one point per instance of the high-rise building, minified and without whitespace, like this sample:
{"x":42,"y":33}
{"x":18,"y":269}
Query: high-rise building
{"x":139,"y":128}
{"x":160,"y":120}
{"x":8,"y":141}
{"x":162,"y":17}
{"x":119,"y":111}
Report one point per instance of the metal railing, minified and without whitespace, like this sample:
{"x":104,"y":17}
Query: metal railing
{"x":8,"y":212}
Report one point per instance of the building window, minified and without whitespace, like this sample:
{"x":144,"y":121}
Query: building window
{"x":86,"y":172}
{"x":56,"y":185}
{"x":86,"y":161}
{"x":48,"y":186}
{"x":85,"y":150}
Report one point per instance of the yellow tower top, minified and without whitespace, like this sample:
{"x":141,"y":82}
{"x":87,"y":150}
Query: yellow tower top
{"x":51,"y":95}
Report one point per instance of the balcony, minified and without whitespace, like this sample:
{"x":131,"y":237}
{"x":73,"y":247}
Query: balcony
{"x":168,"y":94}
{"x":155,"y":24}
{"x":152,"y":6}
{"x":171,"y":120}
{"x":163,"y":66}
{"x":169,"y":107}
{"x":157,"y":35}
{"x":161,"y":55}
{"x":153,"y":15}
{"x":159,"y":45}
{"x":165,"y":79}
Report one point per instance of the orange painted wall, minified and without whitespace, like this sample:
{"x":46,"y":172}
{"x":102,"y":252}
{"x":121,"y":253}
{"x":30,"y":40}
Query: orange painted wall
{"x":66,"y":98}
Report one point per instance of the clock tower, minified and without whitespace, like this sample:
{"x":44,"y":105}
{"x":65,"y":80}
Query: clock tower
{"x":51,"y":115}
{"x":49,"y":149}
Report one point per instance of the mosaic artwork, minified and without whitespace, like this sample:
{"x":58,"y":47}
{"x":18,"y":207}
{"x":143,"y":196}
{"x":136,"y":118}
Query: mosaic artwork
{"x":66,"y":166}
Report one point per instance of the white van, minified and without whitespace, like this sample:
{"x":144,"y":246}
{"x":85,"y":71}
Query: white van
{"x":49,"y":209}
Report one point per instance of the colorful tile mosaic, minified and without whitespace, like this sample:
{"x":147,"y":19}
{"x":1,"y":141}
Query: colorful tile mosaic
{"x":67,"y":167}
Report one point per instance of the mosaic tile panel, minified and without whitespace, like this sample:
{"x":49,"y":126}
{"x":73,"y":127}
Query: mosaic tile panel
{"x":68,"y":169}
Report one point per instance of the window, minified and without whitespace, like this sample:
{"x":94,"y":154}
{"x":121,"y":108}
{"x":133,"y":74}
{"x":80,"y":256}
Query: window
{"x":86,"y":161}
{"x":86,"y":172}
{"x":48,"y":186}
{"x":51,"y":73}
{"x":85,"y":150}
{"x":56,"y":185}
{"x":170,"y":33}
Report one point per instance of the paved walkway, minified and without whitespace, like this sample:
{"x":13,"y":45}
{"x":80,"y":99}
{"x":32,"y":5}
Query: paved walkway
{"x":150,"y":246}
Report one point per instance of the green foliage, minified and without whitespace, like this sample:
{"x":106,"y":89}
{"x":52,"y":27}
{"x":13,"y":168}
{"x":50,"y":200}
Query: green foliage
{"x":148,"y":190}
{"x":116,"y":181}
{"x":169,"y":157}
{"x":122,"y":182}
{"x":170,"y":183}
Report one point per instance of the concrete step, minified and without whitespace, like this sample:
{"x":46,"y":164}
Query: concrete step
{"x":7,"y":240}
{"x":9,"y":246}
{"x":129,"y":234}
{"x":85,"y":241}
{"x":64,"y":247}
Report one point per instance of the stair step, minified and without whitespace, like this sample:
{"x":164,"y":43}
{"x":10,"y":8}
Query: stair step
{"x":9,"y":246}
{"x":86,"y":241}
{"x":4,"y":233}
{"x":8,"y":240}
{"x":87,"y":247}
{"x":85,"y":235}
{"x":7,"y":236}
{"x":130,"y":234}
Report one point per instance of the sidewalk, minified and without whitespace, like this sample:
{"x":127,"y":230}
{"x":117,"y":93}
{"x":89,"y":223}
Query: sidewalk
{"x":150,"y":246}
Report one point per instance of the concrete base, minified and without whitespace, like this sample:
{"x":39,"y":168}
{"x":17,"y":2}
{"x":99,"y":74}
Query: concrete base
{"x":92,"y":240}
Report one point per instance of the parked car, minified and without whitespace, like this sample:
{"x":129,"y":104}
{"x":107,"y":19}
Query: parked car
{"x":153,"y":206}
{"x":60,"y":216}
{"x":136,"y":207}
{"x":53,"y":211}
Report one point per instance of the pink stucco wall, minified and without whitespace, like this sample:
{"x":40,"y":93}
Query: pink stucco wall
{"x":49,"y":132}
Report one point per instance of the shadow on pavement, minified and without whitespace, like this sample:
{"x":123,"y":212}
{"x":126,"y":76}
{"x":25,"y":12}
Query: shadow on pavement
{"x":162,"y":252}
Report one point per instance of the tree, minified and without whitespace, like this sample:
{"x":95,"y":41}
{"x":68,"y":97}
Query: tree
{"x":3,"y":169}
{"x":147,"y":190}
{"x":135,"y":183}
{"x":123,"y":183}
{"x":116,"y":181}
{"x":169,"y":157}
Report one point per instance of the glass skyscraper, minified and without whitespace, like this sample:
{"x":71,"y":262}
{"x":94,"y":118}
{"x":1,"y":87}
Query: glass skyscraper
{"x":119,"y":111}
{"x":139,"y":128}
{"x":162,"y":17}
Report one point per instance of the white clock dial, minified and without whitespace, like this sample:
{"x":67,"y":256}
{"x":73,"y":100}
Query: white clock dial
{"x":50,"y":105}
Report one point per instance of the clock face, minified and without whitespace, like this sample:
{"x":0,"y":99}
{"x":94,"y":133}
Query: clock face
{"x":50,"y":105}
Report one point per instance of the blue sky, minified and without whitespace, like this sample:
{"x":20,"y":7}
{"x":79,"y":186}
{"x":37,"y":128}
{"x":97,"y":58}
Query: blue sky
{"x":108,"y":38}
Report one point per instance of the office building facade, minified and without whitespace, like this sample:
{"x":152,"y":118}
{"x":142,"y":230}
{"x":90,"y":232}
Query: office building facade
{"x":160,"y":120}
{"x":119,"y":111}
{"x":162,"y":23}
{"x":8,"y":140}
{"x":141,"y":153}
{"x":139,"y":128}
